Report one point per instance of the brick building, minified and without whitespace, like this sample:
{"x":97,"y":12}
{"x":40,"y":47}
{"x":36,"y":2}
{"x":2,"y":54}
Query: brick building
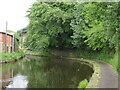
{"x":22,"y":34}
{"x":6,"y":40}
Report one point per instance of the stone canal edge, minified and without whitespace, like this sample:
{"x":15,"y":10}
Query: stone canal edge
{"x":104,"y":75}
{"x":11,"y":60}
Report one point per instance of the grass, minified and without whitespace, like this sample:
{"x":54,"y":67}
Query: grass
{"x":114,"y":62}
{"x":9,"y":56}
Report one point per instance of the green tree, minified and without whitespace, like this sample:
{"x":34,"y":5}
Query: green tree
{"x":97,"y":23}
{"x":49,"y":25}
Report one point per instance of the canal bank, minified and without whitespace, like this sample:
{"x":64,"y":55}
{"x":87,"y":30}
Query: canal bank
{"x":11,"y":57}
{"x":103,"y":77}
{"x":93,"y":82}
{"x":108,"y":77}
{"x":12,"y":60}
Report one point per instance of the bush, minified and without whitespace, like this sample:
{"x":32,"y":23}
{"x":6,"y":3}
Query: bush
{"x":14,"y":55}
{"x":83,"y":83}
{"x":114,"y":63}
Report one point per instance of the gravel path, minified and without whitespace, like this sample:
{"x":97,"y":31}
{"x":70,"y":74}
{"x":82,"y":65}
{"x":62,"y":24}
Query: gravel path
{"x":108,"y":76}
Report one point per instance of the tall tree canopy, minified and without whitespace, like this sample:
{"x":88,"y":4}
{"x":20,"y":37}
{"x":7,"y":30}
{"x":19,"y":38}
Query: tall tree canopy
{"x":50,"y":25}
{"x":68,"y":25}
{"x":97,"y":23}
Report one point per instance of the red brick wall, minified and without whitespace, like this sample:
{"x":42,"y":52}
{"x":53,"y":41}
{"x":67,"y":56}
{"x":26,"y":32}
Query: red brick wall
{"x":9,"y":39}
{"x":1,"y":37}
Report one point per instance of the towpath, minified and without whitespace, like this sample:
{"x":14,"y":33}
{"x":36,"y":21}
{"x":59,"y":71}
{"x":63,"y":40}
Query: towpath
{"x":108,"y":76}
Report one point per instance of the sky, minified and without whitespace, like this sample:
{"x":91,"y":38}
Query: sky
{"x":14,"y":12}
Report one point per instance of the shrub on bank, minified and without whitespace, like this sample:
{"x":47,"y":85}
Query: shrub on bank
{"x":9,"y":56}
{"x":114,"y":62}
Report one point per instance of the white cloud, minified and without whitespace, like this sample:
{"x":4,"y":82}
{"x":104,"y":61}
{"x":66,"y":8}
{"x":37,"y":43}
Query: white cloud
{"x":14,"y":11}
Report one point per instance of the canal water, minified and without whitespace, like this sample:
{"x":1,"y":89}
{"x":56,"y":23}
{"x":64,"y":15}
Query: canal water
{"x":44,"y":72}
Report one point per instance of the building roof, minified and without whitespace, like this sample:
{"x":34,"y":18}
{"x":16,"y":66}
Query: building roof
{"x":24,"y":30}
{"x":7,"y":33}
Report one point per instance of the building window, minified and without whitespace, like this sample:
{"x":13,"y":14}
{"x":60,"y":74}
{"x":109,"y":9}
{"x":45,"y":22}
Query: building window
{"x":1,"y":47}
{"x":11,"y":49}
{"x":7,"y":49}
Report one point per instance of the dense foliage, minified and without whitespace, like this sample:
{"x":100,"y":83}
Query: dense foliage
{"x":98,"y":24}
{"x":68,"y":25}
{"x":50,"y":25}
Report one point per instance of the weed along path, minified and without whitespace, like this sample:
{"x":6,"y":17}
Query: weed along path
{"x":108,"y":77}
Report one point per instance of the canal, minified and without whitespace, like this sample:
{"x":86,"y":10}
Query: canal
{"x":44,"y":72}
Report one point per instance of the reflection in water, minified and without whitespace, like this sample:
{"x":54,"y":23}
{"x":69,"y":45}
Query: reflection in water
{"x":5,"y":77}
{"x":48,"y":73}
{"x":18,"y":81}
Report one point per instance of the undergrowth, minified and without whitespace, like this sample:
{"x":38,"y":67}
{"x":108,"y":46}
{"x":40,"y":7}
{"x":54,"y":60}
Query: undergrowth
{"x":14,"y":55}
